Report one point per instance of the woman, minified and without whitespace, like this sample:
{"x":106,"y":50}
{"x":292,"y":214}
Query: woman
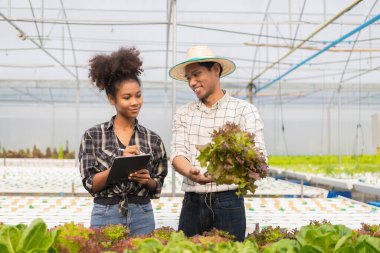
{"x":126,"y":202}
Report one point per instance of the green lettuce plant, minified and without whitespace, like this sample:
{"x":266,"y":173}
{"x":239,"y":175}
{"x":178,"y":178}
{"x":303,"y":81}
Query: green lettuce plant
{"x":24,"y":239}
{"x":233,"y":158}
{"x":283,"y":246}
{"x":270,"y":235}
{"x":72,"y":237}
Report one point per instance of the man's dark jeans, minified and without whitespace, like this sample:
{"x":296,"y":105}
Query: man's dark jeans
{"x":221,"y":210}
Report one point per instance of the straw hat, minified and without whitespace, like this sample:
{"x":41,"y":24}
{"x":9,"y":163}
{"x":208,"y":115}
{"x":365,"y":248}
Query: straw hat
{"x":200,"y":54}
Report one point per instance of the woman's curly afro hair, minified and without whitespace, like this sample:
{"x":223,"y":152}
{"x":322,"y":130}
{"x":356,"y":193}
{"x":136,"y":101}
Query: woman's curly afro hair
{"x":107,"y":71}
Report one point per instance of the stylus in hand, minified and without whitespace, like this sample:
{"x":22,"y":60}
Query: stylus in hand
{"x":122,"y":150}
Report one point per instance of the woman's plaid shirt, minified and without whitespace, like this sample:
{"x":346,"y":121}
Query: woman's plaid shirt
{"x":98,"y":149}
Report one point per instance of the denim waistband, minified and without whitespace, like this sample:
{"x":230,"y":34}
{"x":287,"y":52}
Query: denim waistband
{"x":132,"y":199}
{"x":211,"y":195}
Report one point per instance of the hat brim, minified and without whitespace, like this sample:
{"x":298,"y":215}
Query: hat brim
{"x":178,"y":71}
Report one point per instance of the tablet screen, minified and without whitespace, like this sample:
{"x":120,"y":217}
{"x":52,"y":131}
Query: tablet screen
{"x":123,"y":166}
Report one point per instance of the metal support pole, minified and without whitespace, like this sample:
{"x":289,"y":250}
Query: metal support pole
{"x":42,"y":23}
{"x":329,"y":130}
{"x":174,"y":58}
{"x":77,"y":116}
{"x":339,"y":107}
{"x":77,"y":97}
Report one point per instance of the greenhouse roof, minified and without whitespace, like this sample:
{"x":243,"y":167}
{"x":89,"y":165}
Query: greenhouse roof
{"x":290,"y":52}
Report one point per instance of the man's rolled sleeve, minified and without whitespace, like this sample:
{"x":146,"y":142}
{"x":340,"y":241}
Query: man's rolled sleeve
{"x":180,"y":143}
{"x":254,"y":124}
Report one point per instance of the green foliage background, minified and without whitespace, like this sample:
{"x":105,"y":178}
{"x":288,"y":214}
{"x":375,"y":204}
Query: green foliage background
{"x":328,"y":165}
{"x":35,"y":152}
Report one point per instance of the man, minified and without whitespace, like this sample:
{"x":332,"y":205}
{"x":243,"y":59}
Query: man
{"x":207,"y":205}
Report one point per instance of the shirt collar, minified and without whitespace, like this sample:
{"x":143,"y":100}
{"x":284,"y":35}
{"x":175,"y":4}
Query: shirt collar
{"x":112,"y":120}
{"x":217,"y":105}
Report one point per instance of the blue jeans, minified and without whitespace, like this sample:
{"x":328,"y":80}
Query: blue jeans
{"x":222,"y":210}
{"x":140,"y":218}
